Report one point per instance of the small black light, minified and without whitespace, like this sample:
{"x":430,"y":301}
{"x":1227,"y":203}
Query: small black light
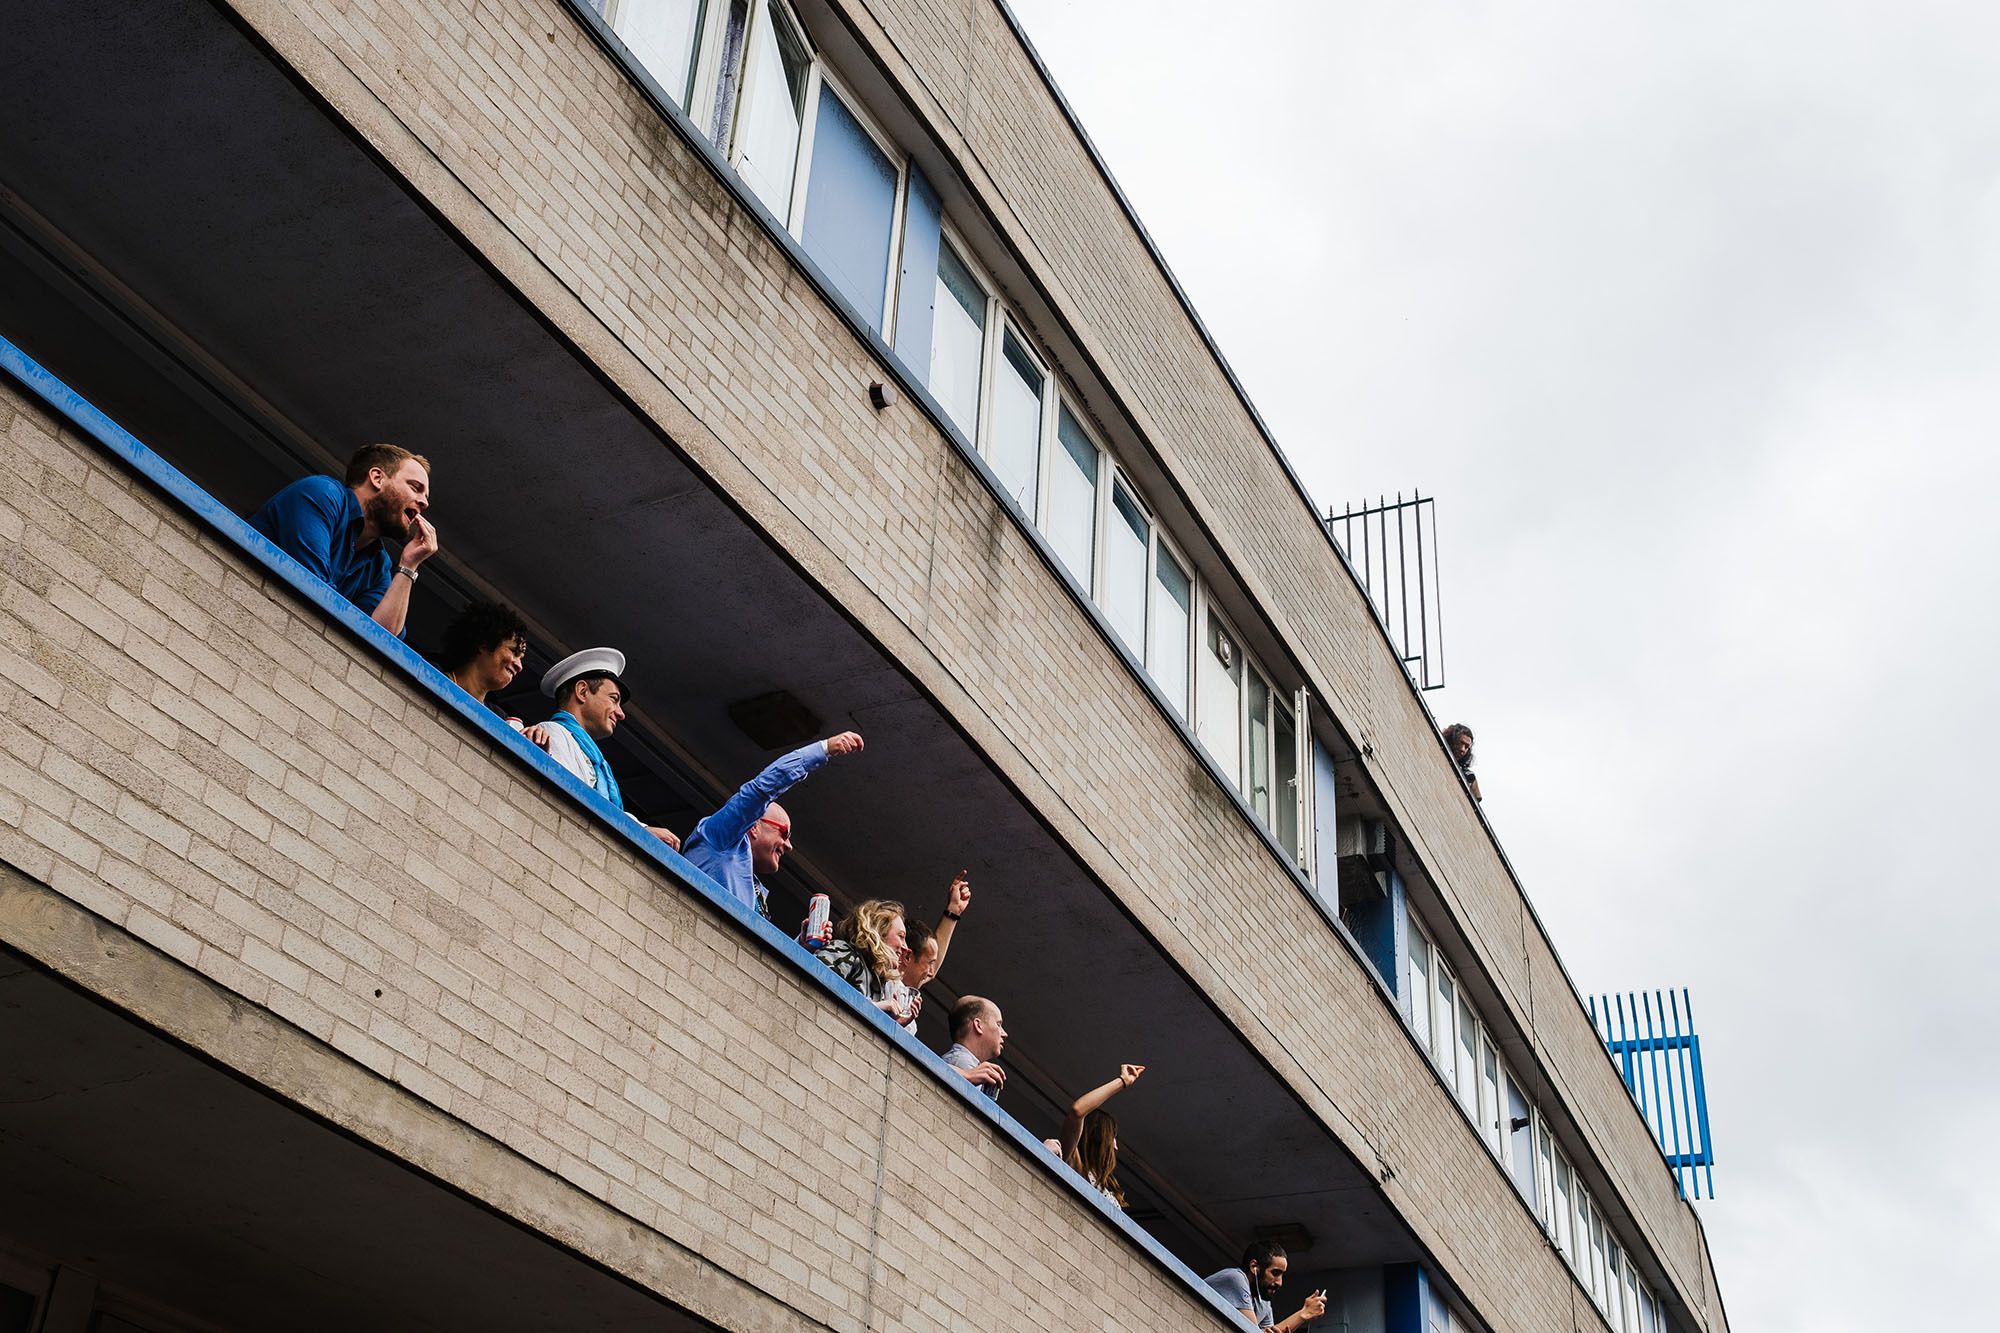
{"x":880,"y":395}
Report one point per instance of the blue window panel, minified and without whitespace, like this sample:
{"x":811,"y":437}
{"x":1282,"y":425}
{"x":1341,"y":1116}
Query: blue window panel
{"x":1381,"y":929}
{"x":917,"y":288}
{"x":850,"y":209}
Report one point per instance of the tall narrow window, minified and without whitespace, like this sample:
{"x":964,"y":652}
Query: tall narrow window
{"x":1125,"y":542}
{"x":774,"y":90}
{"x":1565,"y":1211}
{"x":1468,"y":1058}
{"x":1597,"y":1256}
{"x":1258,"y":746}
{"x":661,"y":34}
{"x":850,"y":208}
{"x":1446,"y":1024}
{"x":1285,"y":779}
{"x":1491,"y":1108}
{"x":1173,"y":611}
{"x":1420,"y":988}
{"x":1521,"y":1141}
{"x":1071,"y":523}
{"x":1546,"y":1178}
{"x":958,"y":331}
{"x":1633,"y":1323}
{"x":1218,"y":709}
{"x":1014,"y":444}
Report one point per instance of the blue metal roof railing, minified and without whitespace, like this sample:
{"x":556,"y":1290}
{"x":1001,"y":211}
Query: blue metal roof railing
{"x":1652,"y":1040}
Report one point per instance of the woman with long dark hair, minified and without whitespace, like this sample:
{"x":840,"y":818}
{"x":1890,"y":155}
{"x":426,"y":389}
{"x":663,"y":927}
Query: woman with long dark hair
{"x":1090,"y":1135}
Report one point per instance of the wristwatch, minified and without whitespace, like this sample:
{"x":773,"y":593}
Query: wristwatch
{"x":407,"y":572}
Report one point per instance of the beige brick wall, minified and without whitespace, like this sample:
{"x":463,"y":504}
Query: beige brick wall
{"x":519,"y":132}
{"x":190,"y":753}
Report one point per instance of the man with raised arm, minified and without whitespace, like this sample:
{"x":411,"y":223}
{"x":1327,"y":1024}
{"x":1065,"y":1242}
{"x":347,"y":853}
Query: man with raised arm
{"x":335,"y":529}
{"x":1251,"y":1284}
{"x":590,"y":703}
{"x":751,"y":833}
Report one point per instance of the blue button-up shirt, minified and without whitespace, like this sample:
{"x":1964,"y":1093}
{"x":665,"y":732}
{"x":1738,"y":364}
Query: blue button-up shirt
{"x":316,"y":522}
{"x":720,"y":845}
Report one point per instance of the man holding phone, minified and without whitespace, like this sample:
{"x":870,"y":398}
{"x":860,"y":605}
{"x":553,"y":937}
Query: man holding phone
{"x":1251,"y":1285}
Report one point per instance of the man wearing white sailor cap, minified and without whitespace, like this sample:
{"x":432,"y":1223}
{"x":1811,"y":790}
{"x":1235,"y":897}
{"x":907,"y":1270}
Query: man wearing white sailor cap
{"x":590,"y":694}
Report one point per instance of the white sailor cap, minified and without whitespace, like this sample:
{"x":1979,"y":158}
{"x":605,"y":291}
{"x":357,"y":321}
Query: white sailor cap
{"x":609,"y":661}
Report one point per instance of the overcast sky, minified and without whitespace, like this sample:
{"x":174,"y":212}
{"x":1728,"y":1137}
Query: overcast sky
{"x":1687,"y":314}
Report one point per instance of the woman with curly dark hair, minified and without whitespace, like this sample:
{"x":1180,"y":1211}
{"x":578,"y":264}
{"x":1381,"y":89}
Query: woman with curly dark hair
{"x":484,"y":647}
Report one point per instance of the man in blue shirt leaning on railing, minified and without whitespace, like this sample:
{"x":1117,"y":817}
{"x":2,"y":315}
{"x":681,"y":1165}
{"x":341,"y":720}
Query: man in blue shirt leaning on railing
{"x":335,"y":529}
{"x":750,"y":834}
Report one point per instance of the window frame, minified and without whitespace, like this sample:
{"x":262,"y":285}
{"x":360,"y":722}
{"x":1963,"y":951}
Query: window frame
{"x":819,"y":77}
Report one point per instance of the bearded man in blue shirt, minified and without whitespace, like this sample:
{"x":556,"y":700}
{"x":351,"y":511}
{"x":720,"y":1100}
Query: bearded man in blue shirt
{"x":335,"y":529}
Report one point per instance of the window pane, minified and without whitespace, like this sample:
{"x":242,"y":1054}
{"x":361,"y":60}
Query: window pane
{"x":1489,"y":1097}
{"x":767,"y":140}
{"x":850,"y":208}
{"x":1468,"y":1058}
{"x":1260,"y":748}
{"x":1015,"y":446}
{"x":958,"y":332}
{"x":1285,"y":772}
{"x":1581,"y":1222}
{"x":1173,"y":615}
{"x":1071,"y":523}
{"x":1420,"y":989}
{"x":1565,"y":1211}
{"x":1218,"y":684}
{"x":917,"y":285}
{"x":1444,"y":1024}
{"x":1597,"y":1256}
{"x":1521,"y":1140}
{"x":1125,"y":569}
{"x":1545,"y":1185}
{"x":1631,"y":1297}
{"x":660,"y":33}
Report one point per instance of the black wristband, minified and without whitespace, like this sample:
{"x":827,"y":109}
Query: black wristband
{"x":953,"y":916}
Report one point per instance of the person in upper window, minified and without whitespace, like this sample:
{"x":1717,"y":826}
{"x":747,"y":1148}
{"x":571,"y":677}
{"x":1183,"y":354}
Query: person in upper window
{"x":1251,"y":1284}
{"x":977,"y":1038}
{"x":751,"y":833}
{"x":590,"y":699}
{"x":336,"y":529}
{"x":1090,"y":1135}
{"x":927,"y":946}
{"x":1458,"y":739}
{"x":868,"y":951}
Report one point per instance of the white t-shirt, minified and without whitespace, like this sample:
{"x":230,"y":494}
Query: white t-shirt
{"x":565,"y":751}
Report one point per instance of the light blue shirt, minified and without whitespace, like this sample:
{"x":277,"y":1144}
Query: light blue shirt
{"x":719,"y":847}
{"x":960,"y":1058}
{"x":1233,"y":1285}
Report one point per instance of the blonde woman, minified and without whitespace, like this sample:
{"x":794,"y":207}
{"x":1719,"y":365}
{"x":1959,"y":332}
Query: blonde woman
{"x":1090,"y":1135}
{"x":870,"y":945}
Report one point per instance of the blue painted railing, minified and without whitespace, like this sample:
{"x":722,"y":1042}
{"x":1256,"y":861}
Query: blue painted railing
{"x":223,"y":523}
{"x":1652,"y":1040}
